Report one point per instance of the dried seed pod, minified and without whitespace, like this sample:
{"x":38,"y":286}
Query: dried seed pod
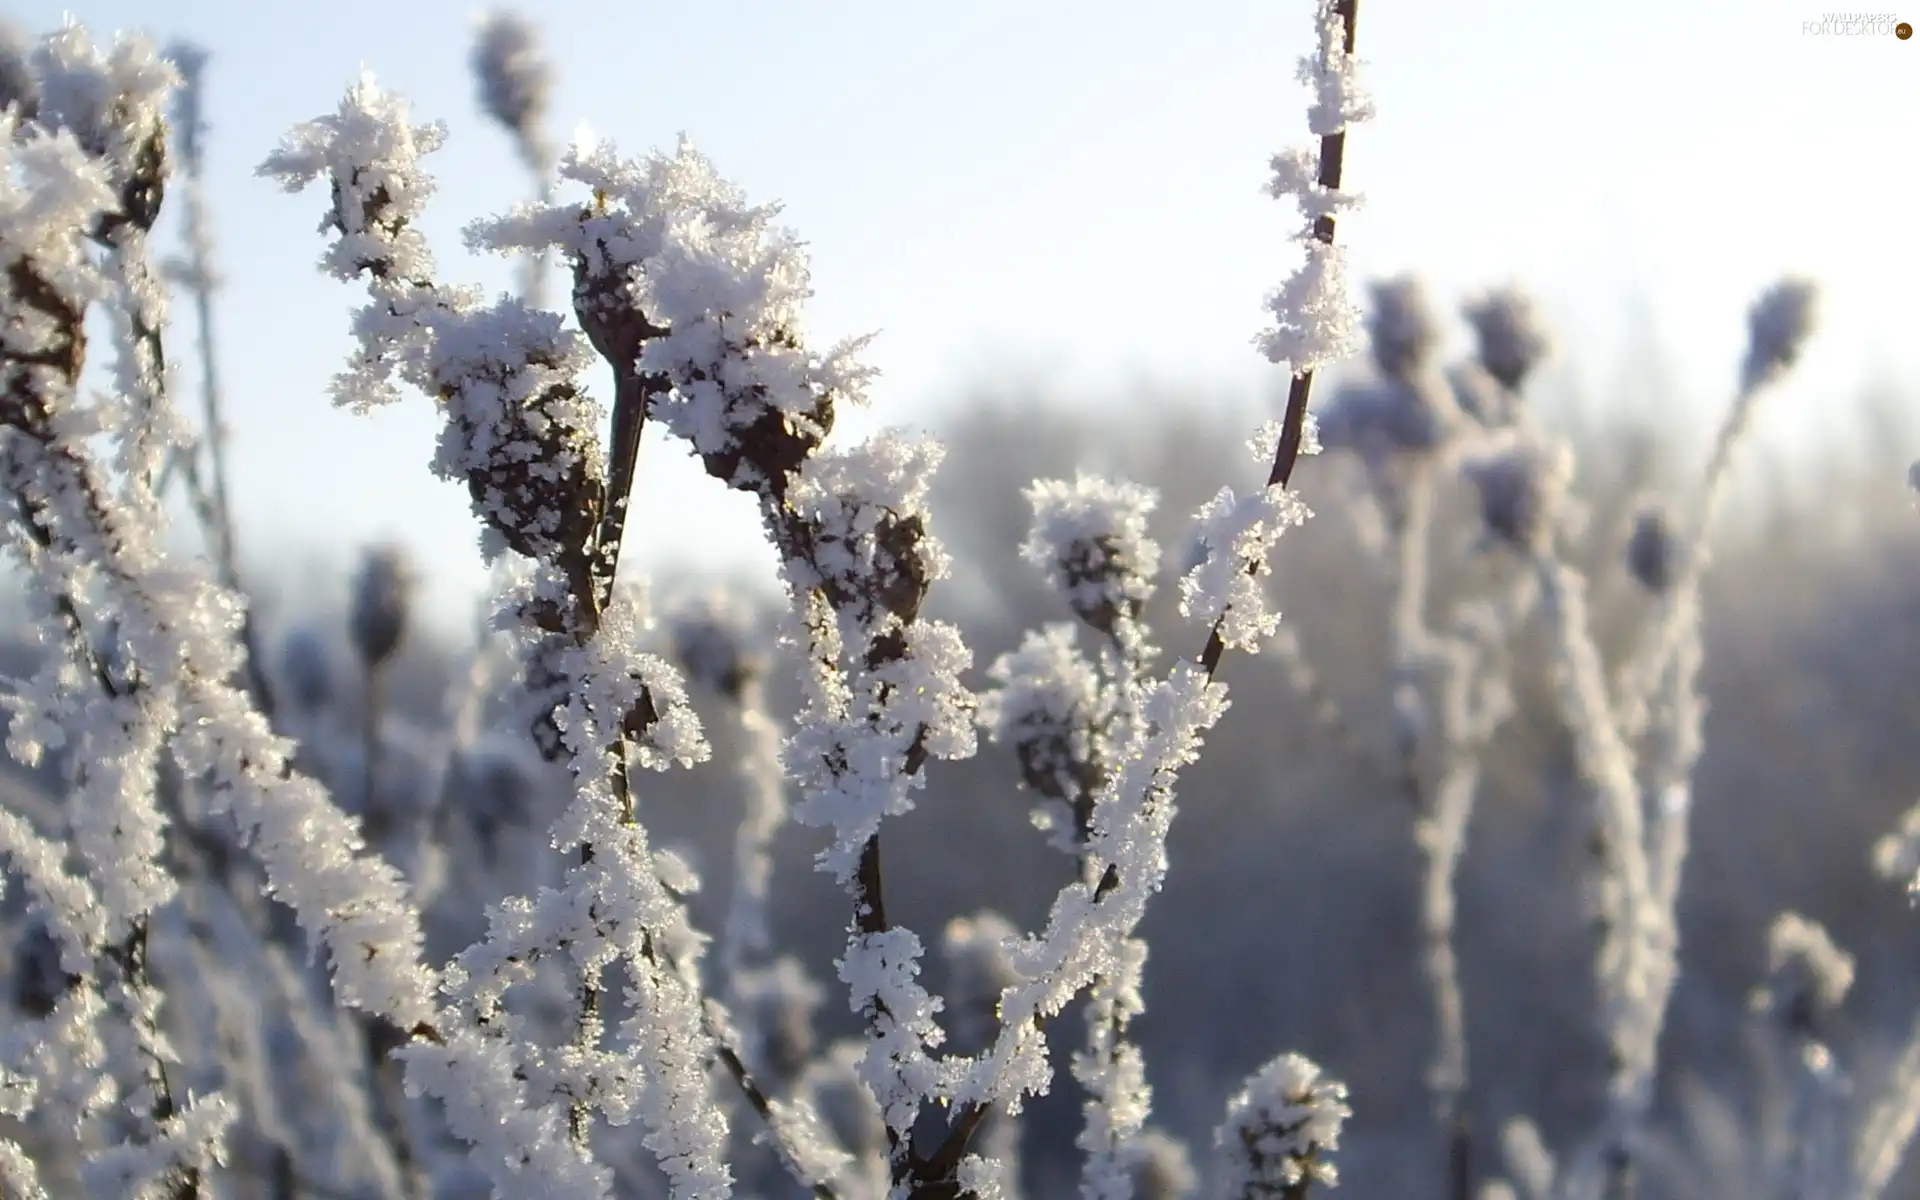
{"x":515,"y":81}
{"x":1513,"y":339}
{"x":1521,"y":487}
{"x":716,"y":643}
{"x":1652,"y":551}
{"x":382,"y":598}
{"x":1778,"y":327}
{"x":1402,"y":331}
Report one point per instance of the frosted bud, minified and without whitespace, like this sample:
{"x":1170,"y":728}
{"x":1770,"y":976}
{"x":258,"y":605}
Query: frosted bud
{"x":1807,"y":975}
{"x":1046,"y":706}
{"x":1521,"y":487}
{"x":1090,"y":538}
{"x":1652,"y":555}
{"x":1162,"y":1168}
{"x":1513,"y":340}
{"x":1778,"y":326}
{"x":1379,"y":418}
{"x":515,"y":79}
{"x":382,"y":595}
{"x":716,"y":641}
{"x":1402,"y":331}
{"x":1279,"y":1130}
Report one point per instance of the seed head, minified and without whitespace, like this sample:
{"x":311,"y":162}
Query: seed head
{"x":1162,"y":1168}
{"x":515,"y":81}
{"x":1778,"y":326}
{"x":382,"y":595}
{"x":1402,"y":331}
{"x":1513,"y":340}
{"x":1652,"y":553}
{"x":1090,"y":539}
{"x":1521,"y":488}
{"x":716,"y":642}
{"x":1280,"y":1128}
{"x":1381,"y":418}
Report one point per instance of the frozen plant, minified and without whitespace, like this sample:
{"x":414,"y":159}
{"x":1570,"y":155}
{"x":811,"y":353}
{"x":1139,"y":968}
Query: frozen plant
{"x":1279,"y":1130}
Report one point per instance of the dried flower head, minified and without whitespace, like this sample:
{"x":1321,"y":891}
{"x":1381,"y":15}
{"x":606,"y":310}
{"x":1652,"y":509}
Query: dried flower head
{"x":1090,"y":539}
{"x":1522,"y":486}
{"x":1512,"y":338}
{"x":1162,"y":1167}
{"x":1652,"y":551}
{"x":521,"y":433}
{"x":1402,"y":331}
{"x":382,"y":597}
{"x":515,"y":81}
{"x":1807,"y":975}
{"x":1046,"y":707}
{"x":1778,"y":326}
{"x":1378,"y":419}
{"x":1279,"y":1129}
{"x":718,"y":641}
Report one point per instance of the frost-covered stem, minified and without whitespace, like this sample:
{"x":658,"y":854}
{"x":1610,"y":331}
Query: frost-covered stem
{"x":1293,"y":429}
{"x":1110,"y":1068}
{"x":1645,"y":669}
{"x":372,"y":705}
{"x":1888,"y":1126}
{"x":1779,"y":324}
{"x":1411,"y":524}
{"x":632,"y":394}
{"x":386,"y":1086}
{"x":763,"y":1107}
{"x":1628,"y":963}
{"x":746,"y":931}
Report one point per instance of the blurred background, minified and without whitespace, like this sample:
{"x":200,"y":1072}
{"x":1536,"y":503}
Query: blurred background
{"x":1067,"y":199}
{"x":1054,"y":214}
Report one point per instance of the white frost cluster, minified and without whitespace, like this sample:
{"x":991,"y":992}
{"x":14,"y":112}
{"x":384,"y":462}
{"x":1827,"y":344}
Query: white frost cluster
{"x":1280,"y":1128}
{"x":1227,"y":587}
{"x":1314,"y":319}
{"x":1089,"y":539}
{"x":1807,"y":973}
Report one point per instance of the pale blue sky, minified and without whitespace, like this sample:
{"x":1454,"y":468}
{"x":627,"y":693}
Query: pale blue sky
{"x":1074,"y":189}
